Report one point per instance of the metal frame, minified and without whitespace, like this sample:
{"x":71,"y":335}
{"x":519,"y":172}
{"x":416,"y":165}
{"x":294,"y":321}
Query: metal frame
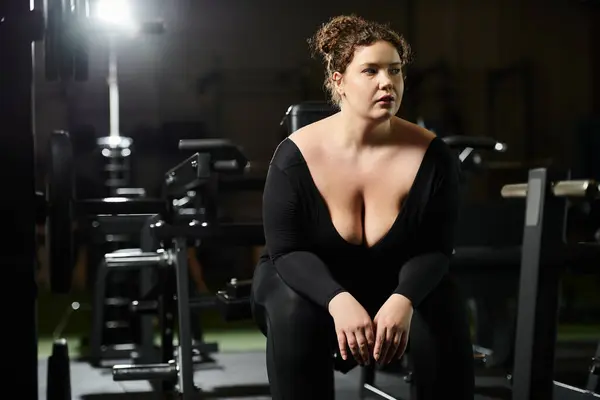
{"x":184,"y":353}
{"x":114,"y":225}
{"x":538,"y":300}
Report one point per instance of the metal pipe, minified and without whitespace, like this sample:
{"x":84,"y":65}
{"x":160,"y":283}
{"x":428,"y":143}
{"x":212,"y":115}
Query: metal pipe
{"x":573,"y":188}
{"x":145,"y":372}
{"x":134,"y":259}
{"x":113,"y":87}
{"x":579,"y":188}
{"x":514,"y":190}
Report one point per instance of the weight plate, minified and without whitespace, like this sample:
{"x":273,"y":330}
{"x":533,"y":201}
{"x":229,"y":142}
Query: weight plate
{"x":59,"y":192}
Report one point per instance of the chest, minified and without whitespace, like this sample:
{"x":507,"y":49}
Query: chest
{"x":363,"y":202}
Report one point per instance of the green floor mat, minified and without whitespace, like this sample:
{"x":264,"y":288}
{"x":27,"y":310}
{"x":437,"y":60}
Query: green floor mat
{"x":229,"y":341}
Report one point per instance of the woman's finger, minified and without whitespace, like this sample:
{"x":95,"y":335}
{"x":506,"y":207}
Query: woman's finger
{"x":341,"y":337}
{"x":402,"y":346}
{"x":378,"y":342}
{"x":384,"y":333}
{"x":363,"y":346}
{"x":370,"y":335}
{"x":394,"y":342}
{"x":353,"y":345}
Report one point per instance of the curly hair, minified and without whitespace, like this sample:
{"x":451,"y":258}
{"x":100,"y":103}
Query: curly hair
{"x":336,"y":40}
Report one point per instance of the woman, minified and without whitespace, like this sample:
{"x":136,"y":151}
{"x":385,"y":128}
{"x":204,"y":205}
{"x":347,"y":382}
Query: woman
{"x":359,"y":211}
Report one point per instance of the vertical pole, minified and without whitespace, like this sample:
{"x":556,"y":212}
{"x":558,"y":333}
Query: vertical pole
{"x":18,"y":181}
{"x":537,"y":315}
{"x":186,"y":366}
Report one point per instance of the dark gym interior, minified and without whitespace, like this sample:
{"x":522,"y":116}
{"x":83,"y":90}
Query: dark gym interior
{"x":514,"y":86}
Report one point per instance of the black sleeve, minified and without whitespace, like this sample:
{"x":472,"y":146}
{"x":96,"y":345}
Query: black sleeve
{"x":435,"y":239}
{"x":286,"y":241}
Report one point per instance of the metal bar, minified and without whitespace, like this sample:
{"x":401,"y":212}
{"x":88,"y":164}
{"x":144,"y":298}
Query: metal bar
{"x":575,"y":188}
{"x":566,"y":392}
{"x":528,"y":283}
{"x":186,"y":372}
{"x":168,"y":304}
{"x":378,"y":392}
{"x":514,"y":190}
{"x":537,"y":303}
{"x":205,"y":144}
{"x":135,"y":260}
{"x":572,"y":188}
{"x":145,"y":372}
{"x":146,"y":278}
{"x":97,"y":334}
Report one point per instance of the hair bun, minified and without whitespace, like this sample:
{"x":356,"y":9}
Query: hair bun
{"x":328,"y":36}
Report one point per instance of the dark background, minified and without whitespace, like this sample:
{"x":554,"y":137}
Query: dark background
{"x":230,"y":68}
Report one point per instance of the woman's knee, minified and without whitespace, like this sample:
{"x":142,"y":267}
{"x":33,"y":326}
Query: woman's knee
{"x":287,"y":312}
{"x":440,"y":335}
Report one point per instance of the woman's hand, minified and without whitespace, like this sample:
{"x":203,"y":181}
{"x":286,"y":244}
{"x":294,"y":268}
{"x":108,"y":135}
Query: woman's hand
{"x":392,"y":326}
{"x":353,"y":327}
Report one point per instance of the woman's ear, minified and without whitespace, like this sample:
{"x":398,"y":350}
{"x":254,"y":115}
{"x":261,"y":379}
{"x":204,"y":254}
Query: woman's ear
{"x":338,"y":83}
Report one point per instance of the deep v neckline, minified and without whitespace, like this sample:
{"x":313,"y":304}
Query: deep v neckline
{"x":399,"y":215}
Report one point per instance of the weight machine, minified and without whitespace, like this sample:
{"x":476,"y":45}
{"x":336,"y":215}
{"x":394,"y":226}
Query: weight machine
{"x":545,"y":256}
{"x":191,"y":216}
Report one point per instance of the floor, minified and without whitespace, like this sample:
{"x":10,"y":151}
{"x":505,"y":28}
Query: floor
{"x":239,"y":372}
{"x":235,"y":375}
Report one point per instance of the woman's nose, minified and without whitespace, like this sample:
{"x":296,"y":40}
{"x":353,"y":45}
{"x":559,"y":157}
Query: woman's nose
{"x":385,"y":80}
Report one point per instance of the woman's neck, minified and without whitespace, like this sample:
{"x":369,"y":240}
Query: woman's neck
{"x":356,"y":132}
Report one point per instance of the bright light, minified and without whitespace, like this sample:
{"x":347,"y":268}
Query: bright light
{"x":115,"y":12}
{"x":115,"y":199}
{"x":114,"y":141}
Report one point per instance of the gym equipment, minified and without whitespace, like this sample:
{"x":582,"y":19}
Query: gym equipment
{"x":234,"y":300}
{"x":191,"y":190}
{"x":63,"y":210}
{"x":119,"y":336}
{"x":544,"y":257}
{"x":68,"y":25}
{"x":305,"y":113}
{"x":58,"y":382}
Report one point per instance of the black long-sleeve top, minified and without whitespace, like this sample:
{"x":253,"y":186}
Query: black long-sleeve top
{"x":314,"y":260}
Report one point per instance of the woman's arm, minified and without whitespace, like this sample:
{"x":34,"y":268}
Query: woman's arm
{"x":435,"y":243}
{"x":287,"y":242}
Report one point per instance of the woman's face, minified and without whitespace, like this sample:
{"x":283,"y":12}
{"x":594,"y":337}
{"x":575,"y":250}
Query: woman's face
{"x":373,"y":84}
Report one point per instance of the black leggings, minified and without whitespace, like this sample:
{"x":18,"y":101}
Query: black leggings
{"x":301,"y":342}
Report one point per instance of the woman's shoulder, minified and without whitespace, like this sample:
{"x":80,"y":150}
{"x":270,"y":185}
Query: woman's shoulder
{"x":433,"y":147}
